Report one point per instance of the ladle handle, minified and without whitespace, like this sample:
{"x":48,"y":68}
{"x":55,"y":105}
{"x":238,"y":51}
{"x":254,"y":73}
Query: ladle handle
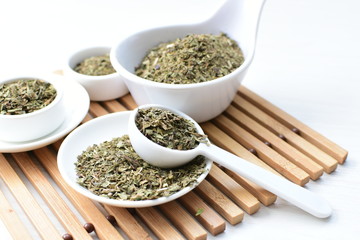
{"x":283,"y":188}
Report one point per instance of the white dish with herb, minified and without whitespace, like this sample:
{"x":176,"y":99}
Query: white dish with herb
{"x":30,"y":107}
{"x":97,"y":131}
{"x":76,"y":102}
{"x":91,"y":67}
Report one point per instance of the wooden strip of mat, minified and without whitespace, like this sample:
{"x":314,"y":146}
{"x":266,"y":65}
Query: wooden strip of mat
{"x":50,"y":195}
{"x":224,"y":141}
{"x":220,"y":202}
{"x":306,"y":132}
{"x":268,"y":155}
{"x":128,"y":223}
{"x":233,"y":190}
{"x":282,"y":147}
{"x":27,"y":201}
{"x":128,"y":101}
{"x":12,"y":221}
{"x":114,"y":106}
{"x":203,"y":213}
{"x":183,"y":221}
{"x":326,"y":161}
{"x":158,"y":224}
{"x":97,"y":110}
{"x":103,"y":228}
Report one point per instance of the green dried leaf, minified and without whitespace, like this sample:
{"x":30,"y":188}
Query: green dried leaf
{"x":193,"y":59}
{"x":95,"y":66}
{"x":168,"y":129}
{"x":113,"y":170}
{"x":25,"y":96}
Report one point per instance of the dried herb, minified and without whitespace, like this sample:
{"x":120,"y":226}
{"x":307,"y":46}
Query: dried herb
{"x":193,"y":59}
{"x":112,"y":169}
{"x":25,"y":96}
{"x":199,"y":212}
{"x":95,"y":66}
{"x":168,"y":129}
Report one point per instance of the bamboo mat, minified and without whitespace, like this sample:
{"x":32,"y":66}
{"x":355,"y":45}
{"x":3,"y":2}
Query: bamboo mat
{"x":251,"y":128}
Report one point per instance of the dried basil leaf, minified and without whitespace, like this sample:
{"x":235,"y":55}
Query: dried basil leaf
{"x":193,"y":59}
{"x":25,"y":96}
{"x":113,"y":170}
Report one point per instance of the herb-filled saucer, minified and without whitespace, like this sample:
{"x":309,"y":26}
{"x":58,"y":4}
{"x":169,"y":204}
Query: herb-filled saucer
{"x":75,"y":101}
{"x":98,"y":161}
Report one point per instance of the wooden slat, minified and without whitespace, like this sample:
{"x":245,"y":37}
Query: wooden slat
{"x":208,"y":217}
{"x":97,"y":110}
{"x":158,"y":224}
{"x":12,"y":221}
{"x":282,"y":147}
{"x":84,"y":205}
{"x":128,"y":102}
{"x":268,"y":155}
{"x":326,"y":161}
{"x":224,"y":141}
{"x":50,"y":195}
{"x":220,"y":202}
{"x":26,"y":200}
{"x":306,"y":132}
{"x":114,"y":106}
{"x":183,"y":221}
{"x":128,"y":223}
{"x":233,"y":190}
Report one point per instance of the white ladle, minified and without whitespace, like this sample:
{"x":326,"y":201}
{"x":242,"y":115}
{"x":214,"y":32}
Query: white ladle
{"x":167,"y":158}
{"x":239,"y":19}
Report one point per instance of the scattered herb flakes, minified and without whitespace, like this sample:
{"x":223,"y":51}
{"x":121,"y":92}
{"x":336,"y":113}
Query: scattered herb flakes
{"x":199,"y":212}
{"x":193,"y":59}
{"x":25,"y":96}
{"x":95,"y":66}
{"x":168,"y":129}
{"x":112,"y":169}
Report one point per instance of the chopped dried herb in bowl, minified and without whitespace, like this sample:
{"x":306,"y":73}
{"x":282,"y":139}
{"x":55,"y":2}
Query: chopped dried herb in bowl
{"x":95,"y":66}
{"x":25,"y":96}
{"x":193,"y":59}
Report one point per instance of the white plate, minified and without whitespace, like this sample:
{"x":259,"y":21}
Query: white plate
{"x":77,"y":105}
{"x":97,"y":131}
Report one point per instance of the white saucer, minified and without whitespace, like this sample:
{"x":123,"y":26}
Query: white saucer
{"x":77,"y":105}
{"x":97,"y":131}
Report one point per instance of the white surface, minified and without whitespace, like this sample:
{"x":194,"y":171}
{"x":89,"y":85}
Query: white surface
{"x":76,"y":106}
{"x":306,"y":62}
{"x":99,"y":130}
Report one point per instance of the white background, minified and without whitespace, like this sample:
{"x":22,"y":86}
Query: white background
{"x":307,"y":62}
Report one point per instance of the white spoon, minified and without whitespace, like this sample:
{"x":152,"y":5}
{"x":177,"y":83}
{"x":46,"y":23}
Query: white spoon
{"x":167,"y":158}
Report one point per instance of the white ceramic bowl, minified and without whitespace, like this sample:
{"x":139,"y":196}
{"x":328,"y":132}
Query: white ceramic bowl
{"x":201,"y":101}
{"x":31,"y":126}
{"x":99,"y":88}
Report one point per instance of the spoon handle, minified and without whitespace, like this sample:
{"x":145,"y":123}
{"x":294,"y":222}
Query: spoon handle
{"x":280,"y":186}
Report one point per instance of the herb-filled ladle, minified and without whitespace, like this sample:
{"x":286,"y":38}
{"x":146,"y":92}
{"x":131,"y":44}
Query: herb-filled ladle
{"x":163,"y":157}
{"x":238,"y":19}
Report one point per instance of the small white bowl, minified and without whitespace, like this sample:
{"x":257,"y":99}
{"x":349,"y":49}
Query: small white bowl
{"x":99,"y":88}
{"x":31,"y":126}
